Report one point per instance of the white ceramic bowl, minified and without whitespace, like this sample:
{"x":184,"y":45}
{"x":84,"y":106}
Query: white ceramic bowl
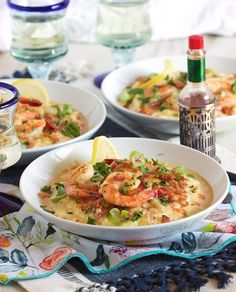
{"x":44,"y":168}
{"x":117,"y":80}
{"x":86,"y":102}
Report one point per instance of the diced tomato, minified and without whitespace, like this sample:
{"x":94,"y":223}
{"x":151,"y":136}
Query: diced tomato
{"x":50,"y":124}
{"x":31,"y":102}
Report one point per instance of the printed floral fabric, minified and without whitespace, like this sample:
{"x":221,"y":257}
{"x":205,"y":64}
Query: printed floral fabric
{"x":31,"y":247}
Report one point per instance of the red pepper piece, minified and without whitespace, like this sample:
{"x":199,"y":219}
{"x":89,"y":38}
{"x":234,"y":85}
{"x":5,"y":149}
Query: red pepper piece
{"x":31,"y":102}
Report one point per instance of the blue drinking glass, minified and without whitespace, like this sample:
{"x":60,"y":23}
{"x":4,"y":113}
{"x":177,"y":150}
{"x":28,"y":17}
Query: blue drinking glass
{"x":38,"y":33}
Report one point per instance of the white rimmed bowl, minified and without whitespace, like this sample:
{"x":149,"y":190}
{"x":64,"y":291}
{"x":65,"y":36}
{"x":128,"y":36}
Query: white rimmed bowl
{"x":44,"y":168}
{"x":86,"y":102}
{"x":117,"y":80}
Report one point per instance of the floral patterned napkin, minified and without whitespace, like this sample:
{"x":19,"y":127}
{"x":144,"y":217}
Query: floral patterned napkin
{"x":31,"y":247}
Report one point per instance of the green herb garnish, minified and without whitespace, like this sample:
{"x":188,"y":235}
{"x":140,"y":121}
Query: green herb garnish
{"x":46,"y":189}
{"x":91,"y":221}
{"x":144,"y":100}
{"x":101,"y":170}
{"x":154,"y":89}
{"x":45,"y":209}
{"x":65,"y":111}
{"x":155,"y":162}
{"x":164,"y":183}
{"x":163,"y":107}
{"x":136,"y":216}
{"x":163,"y":169}
{"x":25,"y":143}
{"x":71,"y":130}
{"x":123,"y":191}
{"x":164,"y":201}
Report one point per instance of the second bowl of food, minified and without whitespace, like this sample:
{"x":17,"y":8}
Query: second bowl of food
{"x":52,"y":114}
{"x":128,"y":189}
{"x":146,"y":91}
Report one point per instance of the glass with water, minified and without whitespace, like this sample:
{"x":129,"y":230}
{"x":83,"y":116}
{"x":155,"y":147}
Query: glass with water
{"x":38,"y":33}
{"x":10,"y":146}
{"x":123,"y":25}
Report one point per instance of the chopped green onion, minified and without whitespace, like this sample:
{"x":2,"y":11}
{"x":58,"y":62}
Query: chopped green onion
{"x":124,"y":213}
{"x":136,"y":91}
{"x":58,"y":198}
{"x":137,"y":158}
{"x":45,"y":209}
{"x":190,"y":175}
{"x":114,"y":212}
{"x":124,"y":97}
{"x":180,"y":170}
{"x":60,"y":189}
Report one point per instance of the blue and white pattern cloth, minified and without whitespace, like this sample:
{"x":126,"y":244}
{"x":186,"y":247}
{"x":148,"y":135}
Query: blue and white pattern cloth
{"x":31,"y":247}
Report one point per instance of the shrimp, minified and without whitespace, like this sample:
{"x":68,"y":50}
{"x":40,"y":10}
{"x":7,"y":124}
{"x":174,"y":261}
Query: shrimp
{"x":24,"y":112}
{"x":124,"y":189}
{"x":82,"y":175}
{"x":218,"y":84}
{"x":125,"y":165}
{"x":30,"y":129}
{"x":80,"y":184}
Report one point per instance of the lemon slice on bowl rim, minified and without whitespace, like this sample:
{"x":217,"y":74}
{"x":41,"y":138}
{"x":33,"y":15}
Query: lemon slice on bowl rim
{"x":102,"y":149}
{"x":160,"y":76}
{"x":32,"y":89}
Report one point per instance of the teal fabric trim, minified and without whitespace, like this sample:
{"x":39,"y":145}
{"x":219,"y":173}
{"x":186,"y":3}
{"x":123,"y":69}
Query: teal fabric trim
{"x":232,"y":203}
{"x":126,"y":261}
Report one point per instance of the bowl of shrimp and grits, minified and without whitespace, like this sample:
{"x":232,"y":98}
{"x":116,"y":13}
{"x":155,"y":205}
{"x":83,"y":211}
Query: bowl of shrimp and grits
{"x":146,"y":91}
{"x":51,"y":114}
{"x":141,"y":190}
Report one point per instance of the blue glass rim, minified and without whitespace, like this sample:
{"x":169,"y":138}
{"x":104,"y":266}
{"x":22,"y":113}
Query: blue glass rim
{"x":49,"y":8}
{"x":15,"y":97}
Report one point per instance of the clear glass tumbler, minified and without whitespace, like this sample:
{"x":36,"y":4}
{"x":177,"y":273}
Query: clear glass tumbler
{"x":38,"y":33}
{"x":10,"y":146}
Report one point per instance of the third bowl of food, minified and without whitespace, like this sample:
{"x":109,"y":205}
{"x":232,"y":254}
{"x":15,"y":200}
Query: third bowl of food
{"x":146,"y":91}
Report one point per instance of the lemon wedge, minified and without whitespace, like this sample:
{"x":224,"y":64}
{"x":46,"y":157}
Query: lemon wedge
{"x":32,"y":89}
{"x":102,"y":149}
{"x":160,"y":76}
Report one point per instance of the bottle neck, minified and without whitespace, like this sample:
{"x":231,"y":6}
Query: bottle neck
{"x":196,"y":66}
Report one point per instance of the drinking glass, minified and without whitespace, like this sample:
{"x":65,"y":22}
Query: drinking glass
{"x":10,"y":146}
{"x":122,"y":25}
{"x":38,"y":33}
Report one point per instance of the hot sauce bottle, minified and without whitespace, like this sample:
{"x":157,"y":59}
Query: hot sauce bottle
{"x":197,"y":103}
